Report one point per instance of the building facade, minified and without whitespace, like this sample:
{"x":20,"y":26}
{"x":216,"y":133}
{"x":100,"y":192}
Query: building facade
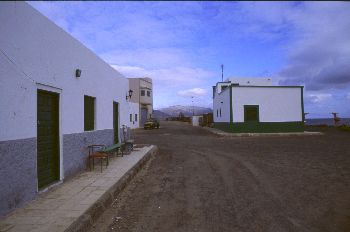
{"x":242,"y":105}
{"x":143,"y":96}
{"x":56,"y":98}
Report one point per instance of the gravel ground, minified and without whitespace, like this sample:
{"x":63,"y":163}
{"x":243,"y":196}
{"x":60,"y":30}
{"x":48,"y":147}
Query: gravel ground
{"x":203,"y":182}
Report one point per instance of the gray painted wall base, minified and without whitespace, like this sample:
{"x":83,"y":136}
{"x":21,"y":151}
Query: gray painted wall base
{"x":75,"y":152}
{"x":18,"y":175}
{"x":260,"y":127}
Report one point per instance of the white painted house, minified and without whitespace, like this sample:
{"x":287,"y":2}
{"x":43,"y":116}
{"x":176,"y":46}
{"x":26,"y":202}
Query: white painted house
{"x":50,"y":113}
{"x":142,"y":98}
{"x":256,"y":105}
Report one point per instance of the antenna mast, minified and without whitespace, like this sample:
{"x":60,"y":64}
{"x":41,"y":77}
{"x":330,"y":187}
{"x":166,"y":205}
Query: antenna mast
{"x":222,"y":72}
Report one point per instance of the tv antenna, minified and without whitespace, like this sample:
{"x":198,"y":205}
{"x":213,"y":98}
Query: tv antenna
{"x":222,"y":72}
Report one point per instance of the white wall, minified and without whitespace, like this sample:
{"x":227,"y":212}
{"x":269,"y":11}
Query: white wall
{"x":133,"y":109}
{"x":34,"y":50}
{"x":251,"y":81}
{"x":276,"y":104}
{"x":223,"y":97}
{"x":196,"y":119}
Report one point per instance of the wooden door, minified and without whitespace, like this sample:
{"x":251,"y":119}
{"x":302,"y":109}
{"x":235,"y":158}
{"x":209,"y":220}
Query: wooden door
{"x":48,"y":160}
{"x":116,"y":121}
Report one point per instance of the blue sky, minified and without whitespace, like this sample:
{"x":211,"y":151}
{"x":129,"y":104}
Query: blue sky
{"x":181,"y":45}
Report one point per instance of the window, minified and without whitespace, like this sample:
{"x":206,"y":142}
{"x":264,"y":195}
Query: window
{"x":135,"y":117}
{"x":220,"y":112}
{"x":89,"y":113}
{"x":251,"y":113}
{"x":217,"y":113}
{"x":142,"y":92}
{"x":148,"y":93}
{"x":130,"y":117}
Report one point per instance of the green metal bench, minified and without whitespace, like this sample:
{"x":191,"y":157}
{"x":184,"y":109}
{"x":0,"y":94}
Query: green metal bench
{"x":118,"y":147}
{"x":103,"y":152}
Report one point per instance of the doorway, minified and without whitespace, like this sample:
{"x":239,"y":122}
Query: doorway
{"x":116,"y":121}
{"x":48,"y":154}
{"x":251,"y":113}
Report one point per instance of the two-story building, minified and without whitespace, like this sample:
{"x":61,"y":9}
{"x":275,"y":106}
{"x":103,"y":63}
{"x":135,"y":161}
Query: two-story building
{"x":256,"y":105}
{"x":142,"y":100}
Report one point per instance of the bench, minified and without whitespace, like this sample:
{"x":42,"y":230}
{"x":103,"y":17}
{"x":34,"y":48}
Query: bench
{"x":102,"y":152}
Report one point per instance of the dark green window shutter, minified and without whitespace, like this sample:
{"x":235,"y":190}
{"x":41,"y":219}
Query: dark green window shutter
{"x":89,"y":113}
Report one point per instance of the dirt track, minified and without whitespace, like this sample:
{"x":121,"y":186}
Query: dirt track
{"x":203,"y":182}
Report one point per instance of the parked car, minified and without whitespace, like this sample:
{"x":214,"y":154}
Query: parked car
{"x":151,"y":124}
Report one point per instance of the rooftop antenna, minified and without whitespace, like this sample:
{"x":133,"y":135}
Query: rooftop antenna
{"x":222,"y":72}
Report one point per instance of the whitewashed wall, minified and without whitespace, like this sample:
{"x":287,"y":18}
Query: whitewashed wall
{"x":34,"y":52}
{"x":223,"y":97}
{"x":276,"y":104}
{"x":133,"y":109}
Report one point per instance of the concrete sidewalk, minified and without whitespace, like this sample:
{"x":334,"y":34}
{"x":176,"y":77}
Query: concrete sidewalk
{"x":223,"y":133}
{"x":75,"y":204}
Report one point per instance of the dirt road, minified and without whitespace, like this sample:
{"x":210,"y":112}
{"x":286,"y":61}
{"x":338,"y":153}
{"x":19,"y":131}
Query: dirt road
{"x":203,"y":182}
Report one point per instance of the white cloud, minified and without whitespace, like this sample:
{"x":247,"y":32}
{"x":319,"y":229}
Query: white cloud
{"x":168,"y":77}
{"x":195,"y":92}
{"x":317,"y":98}
{"x":149,"y":57}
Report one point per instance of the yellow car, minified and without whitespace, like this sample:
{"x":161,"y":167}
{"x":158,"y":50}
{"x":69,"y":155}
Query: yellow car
{"x":151,"y":123}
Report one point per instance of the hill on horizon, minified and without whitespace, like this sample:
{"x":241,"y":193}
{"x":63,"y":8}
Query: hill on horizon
{"x":174,"y":111}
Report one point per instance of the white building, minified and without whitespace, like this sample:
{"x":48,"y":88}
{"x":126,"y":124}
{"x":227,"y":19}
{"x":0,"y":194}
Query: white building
{"x":255,"y":105}
{"x":142,"y":98}
{"x":50,"y":113}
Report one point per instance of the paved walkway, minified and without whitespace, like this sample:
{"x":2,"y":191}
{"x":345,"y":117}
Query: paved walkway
{"x":223,"y":133}
{"x":66,"y":206}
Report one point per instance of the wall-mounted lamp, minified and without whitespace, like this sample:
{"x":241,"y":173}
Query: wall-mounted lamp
{"x":130,"y":94}
{"x":77,"y":72}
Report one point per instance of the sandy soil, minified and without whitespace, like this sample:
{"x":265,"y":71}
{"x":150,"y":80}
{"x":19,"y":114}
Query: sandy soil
{"x":203,"y":182}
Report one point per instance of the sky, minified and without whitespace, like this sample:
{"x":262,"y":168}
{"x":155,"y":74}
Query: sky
{"x":181,"y":45}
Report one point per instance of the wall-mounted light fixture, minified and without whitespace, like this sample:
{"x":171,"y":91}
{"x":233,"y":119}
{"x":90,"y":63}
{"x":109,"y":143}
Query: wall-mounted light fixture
{"x":130,"y":94}
{"x":77,"y":72}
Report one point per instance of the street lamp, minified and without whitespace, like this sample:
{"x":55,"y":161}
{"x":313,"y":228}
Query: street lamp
{"x":130,"y":94}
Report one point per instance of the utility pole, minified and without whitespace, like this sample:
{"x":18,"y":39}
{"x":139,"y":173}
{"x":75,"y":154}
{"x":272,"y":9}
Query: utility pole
{"x":222,"y":72}
{"x":192,"y":107}
{"x":336,"y":119}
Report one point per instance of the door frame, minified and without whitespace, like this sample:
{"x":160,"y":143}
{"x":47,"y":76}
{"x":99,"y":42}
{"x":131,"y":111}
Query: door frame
{"x":53,"y":89}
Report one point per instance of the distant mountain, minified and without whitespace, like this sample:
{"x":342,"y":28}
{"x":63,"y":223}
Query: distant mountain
{"x":160,"y":115}
{"x":174,"y":111}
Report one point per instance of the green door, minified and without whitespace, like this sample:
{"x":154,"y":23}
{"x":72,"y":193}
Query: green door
{"x":48,"y":165}
{"x":251,"y":113}
{"x":116,"y":122}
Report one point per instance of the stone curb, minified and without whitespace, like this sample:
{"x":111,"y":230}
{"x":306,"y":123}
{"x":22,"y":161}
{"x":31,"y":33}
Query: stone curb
{"x":222,"y":133}
{"x":85,"y":221}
